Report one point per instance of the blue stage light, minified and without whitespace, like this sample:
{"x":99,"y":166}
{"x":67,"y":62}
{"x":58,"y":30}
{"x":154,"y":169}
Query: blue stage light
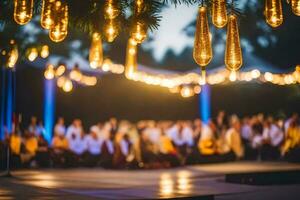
{"x":205,"y":103}
{"x":49,"y":107}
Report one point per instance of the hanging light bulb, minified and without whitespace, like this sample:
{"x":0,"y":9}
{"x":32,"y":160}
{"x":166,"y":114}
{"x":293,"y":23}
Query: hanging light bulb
{"x":138,"y":5}
{"x":33,"y":54}
{"x":96,"y":51}
{"x":131,"y":58}
{"x":59,"y":30}
{"x":68,"y":85}
{"x":295,"y":4}
{"x":219,"y":13}
{"x":110,"y":30}
{"x":60,"y":70}
{"x":13,"y":56}
{"x":23,"y":11}
{"x":46,"y":14}
{"x":202,"y":52}
{"x":139,"y":32}
{"x":49,"y":72}
{"x":44,"y":51}
{"x":61,"y":81}
{"x":233,"y":76}
{"x":76,"y":74}
{"x":111,"y":10}
{"x":233,"y":52}
{"x":186,"y":91}
{"x":273,"y":12}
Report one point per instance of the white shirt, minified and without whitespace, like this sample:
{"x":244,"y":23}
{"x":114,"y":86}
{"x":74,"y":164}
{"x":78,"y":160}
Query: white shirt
{"x":124,"y":147}
{"x":73,"y":130}
{"x":185,"y":137}
{"x":59,"y":129}
{"x":246,"y":132}
{"x":153,"y":134}
{"x":206,"y":133}
{"x":93,"y":145}
{"x":78,"y":145}
{"x":274,"y":134}
{"x":109,"y":144}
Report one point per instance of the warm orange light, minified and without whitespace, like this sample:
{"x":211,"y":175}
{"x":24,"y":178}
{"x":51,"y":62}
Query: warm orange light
{"x":44,"y":51}
{"x":111,"y":10}
{"x":32,"y":54}
{"x":68,"y":85}
{"x":219,"y":13}
{"x":96,"y":51}
{"x":202,"y":52}
{"x":110,"y":30}
{"x":139,"y":32}
{"x":131,"y":58}
{"x":47,"y":14}
{"x":273,"y":12}
{"x":295,"y":4}
{"x":59,"y":30}
{"x":49,"y":72}
{"x":233,"y":52}
{"x":13,"y":56}
{"x":23,"y":11}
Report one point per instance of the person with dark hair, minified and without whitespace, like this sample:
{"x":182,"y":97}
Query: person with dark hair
{"x":33,"y":127}
{"x":93,"y":144}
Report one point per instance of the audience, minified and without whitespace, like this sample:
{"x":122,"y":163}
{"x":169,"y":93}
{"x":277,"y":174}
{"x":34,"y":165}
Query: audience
{"x":151,"y":144}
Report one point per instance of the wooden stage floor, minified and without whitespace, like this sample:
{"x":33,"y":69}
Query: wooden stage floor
{"x":191,"y":181}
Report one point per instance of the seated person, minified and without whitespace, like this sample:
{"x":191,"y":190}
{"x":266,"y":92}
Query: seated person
{"x":30,"y":148}
{"x":77,"y":147}
{"x":122,"y":147}
{"x":15,"y":142}
{"x":43,"y":154}
{"x":107,"y":151}
{"x":233,"y":138}
{"x":60,"y":148}
{"x":168,"y":152}
{"x":206,"y":142}
{"x":93,"y":144}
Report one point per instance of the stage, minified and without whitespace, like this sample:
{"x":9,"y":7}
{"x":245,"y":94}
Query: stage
{"x":191,"y":182}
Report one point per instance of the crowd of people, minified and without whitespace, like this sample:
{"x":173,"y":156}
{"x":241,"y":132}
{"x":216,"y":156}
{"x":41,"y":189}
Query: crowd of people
{"x":155,"y":144}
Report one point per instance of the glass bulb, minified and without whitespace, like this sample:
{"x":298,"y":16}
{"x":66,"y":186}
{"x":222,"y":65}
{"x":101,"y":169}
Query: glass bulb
{"x":139,"y":32}
{"x":49,"y":72}
{"x":273,"y":12}
{"x":45,"y":51}
{"x":219,"y":13}
{"x":13,"y":56}
{"x":131,"y":58}
{"x":111,"y":10}
{"x":296,"y":7}
{"x":23,"y":11}
{"x":59,"y":30}
{"x":33,"y":54}
{"x":67,"y":86}
{"x":96,"y":51}
{"x":202,"y":52}
{"x":46,"y":14}
{"x":138,"y":5}
{"x":110,"y":30}
{"x":233,"y":52}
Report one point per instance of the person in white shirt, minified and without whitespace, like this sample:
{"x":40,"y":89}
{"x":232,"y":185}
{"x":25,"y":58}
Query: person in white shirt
{"x":233,"y":137}
{"x":153,"y":133}
{"x":74,"y":129}
{"x":60,"y":128}
{"x":93,"y":144}
{"x":77,"y":146}
{"x":107,"y":150}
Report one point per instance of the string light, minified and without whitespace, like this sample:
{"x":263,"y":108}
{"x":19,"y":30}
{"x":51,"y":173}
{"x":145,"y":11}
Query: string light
{"x":295,"y":4}
{"x":67,"y":86}
{"x":139,"y":6}
{"x":111,"y":10}
{"x":131,"y":58}
{"x":49,"y":72}
{"x":23,"y":11}
{"x":110,"y":30}
{"x":233,"y":52}
{"x":273,"y":12}
{"x":186,"y":91}
{"x":75,"y":73}
{"x":13,"y":56}
{"x":33,"y":54}
{"x":60,"y":70}
{"x":96,"y":51}
{"x":61,"y":81}
{"x":219,"y":13}
{"x":197,"y":89}
{"x":232,"y":76}
{"x":59,"y":30}
{"x":46,"y":14}
{"x":44,"y":51}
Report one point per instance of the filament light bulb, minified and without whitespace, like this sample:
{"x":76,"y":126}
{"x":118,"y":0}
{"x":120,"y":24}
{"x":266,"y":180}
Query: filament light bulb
{"x":49,"y":72}
{"x":131,"y":58}
{"x":219,"y":13}
{"x":33,"y":54}
{"x":45,"y":51}
{"x":59,"y":30}
{"x":110,"y":30}
{"x":273,"y":12}
{"x":139,"y":32}
{"x":233,"y":52}
{"x":96,"y":51}
{"x":23,"y":11}
{"x":47,"y":14}
{"x":68,"y":85}
{"x":295,"y":4}
{"x":111,"y":10}
{"x":202,"y":52}
{"x":13,"y":56}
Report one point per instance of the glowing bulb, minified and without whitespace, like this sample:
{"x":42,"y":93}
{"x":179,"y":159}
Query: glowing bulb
{"x":96,"y":51}
{"x":61,"y":81}
{"x":202,"y":52}
{"x":23,"y":11}
{"x":139,"y":32}
{"x":68,"y":85}
{"x":46,"y":14}
{"x":76,"y":74}
{"x":233,"y":53}
{"x":60,"y":70}
{"x":33,"y":54}
{"x":59,"y":30}
{"x":197,"y":89}
{"x":232,"y":76}
{"x":255,"y":73}
{"x":268,"y":76}
{"x":273,"y":12}
{"x":111,"y":10}
{"x":45,"y":51}
{"x":219,"y":13}
{"x":131,"y":58}
{"x":110,"y":30}
{"x":295,"y":4}
{"x":13,"y":56}
{"x":49,"y":72}
{"x":186,"y":92}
